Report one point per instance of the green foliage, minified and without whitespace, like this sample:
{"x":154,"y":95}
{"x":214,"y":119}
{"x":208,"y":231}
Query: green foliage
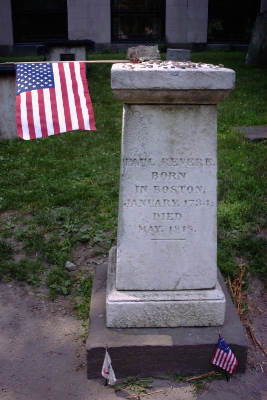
{"x":200,"y":384}
{"x":177,"y":378}
{"x":11,"y":59}
{"x":242,"y":212}
{"x":59,"y":282}
{"x":242,"y":169}
{"x":6,"y":251}
{"x":135,"y":384}
{"x":62,"y":191}
{"x":25,"y":270}
{"x":82,"y":289}
{"x":106,"y":54}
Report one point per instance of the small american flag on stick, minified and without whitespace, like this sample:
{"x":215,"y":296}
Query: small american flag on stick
{"x":107,"y":370}
{"x":52,"y":98}
{"x":223,"y":357}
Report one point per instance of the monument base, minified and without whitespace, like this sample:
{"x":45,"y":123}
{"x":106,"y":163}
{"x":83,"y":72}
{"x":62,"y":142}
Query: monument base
{"x":157,"y":351}
{"x":161,"y":309}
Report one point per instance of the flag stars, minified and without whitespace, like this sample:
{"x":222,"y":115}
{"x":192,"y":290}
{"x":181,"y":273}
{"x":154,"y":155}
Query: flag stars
{"x":41,"y":75}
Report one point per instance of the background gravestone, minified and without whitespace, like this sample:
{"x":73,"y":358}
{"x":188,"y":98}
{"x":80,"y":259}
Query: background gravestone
{"x":257,"y":52}
{"x":143,"y":53}
{"x":178,"y":55}
{"x":8,"y":128}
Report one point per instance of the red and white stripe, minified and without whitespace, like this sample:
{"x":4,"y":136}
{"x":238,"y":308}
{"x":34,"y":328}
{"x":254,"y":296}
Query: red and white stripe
{"x":67,"y":107}
{"x":224,"y":360}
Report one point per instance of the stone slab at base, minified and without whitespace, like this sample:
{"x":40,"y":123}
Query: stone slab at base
{"x":173,"y":308}
{"x":157,"y":351}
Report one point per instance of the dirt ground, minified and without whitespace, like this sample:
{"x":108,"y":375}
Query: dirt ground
{"x":43,"y":357}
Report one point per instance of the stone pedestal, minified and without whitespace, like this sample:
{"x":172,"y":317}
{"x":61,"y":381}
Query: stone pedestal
{"x":164,"y":271}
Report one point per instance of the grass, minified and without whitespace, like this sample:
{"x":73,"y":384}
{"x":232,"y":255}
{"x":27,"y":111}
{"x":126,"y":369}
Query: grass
{"x":61,"y":192}
{"x":135,"y":385}
{"x":242,"y":211}
{"x":138,"y":386}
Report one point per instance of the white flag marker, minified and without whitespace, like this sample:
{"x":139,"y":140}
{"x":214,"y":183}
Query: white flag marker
{"x":107,"y":370}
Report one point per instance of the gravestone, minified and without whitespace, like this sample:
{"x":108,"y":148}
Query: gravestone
{"x":68,"y":50}
{"x":257,"y":51}
{"x":160,"y":303}
{"x":163,"y":272}
{"x":8,"y":128}
{"x":178,"y":55}
{"x":143,"y":53}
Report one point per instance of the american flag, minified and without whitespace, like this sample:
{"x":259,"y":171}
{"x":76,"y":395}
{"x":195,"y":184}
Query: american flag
{"x":52,"y":98}
{"x":223,"y":357}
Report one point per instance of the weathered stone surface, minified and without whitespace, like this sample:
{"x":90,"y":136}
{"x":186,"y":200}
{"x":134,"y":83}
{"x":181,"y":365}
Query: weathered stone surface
{"x":163,"y":76}
{"x":143,"y":53}
{"x":254,"y":133}
{"x":167,"y":96}
{"x":157,"y":351}
{"x":8,"y":128}
{"x":70,"y":266}
{"x":257,"y":52}
{"x":167,"y":212}
{"x":139,"y":309}
{"x":64,"y":52}
{"x":165,"y":273}
{"x":178,"y":55}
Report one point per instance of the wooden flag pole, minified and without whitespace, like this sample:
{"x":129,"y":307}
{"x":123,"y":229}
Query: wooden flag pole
{"x":226,"y":373}
{"x":85,"y":61}
{"x":106,"y":383}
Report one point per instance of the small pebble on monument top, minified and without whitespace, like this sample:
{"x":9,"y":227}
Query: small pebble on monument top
{"x":155,"y":64}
